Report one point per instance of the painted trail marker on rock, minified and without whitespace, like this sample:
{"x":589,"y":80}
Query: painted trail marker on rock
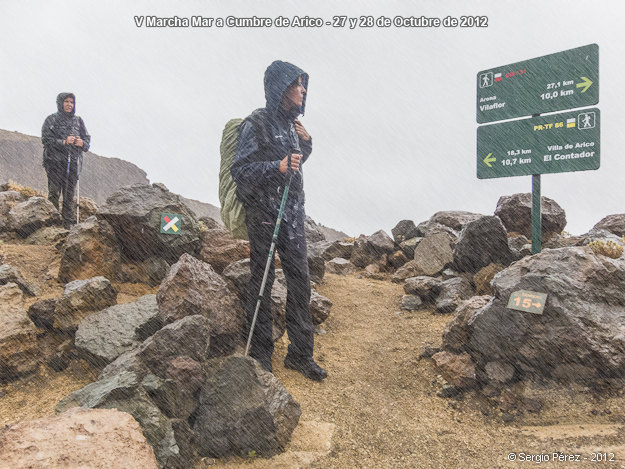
{"x":557,"y":143}
{"x":564,"y":80}
{"x":171,"y":223}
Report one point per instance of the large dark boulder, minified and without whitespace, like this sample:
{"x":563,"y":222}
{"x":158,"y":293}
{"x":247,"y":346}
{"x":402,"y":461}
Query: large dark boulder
{"x":125,"y":393}
{"x":405,"y":229}
{"x":449,"y":222}
{"x":515,"y":212}
{"x":242,"y":409}
{"x":193,"y":287}
{"x":135,"y":213}
{"x":580,"y":332}
{"x":458,"y":331}
{"x":8,"y":200}
{"x":220,"y":249}
{"x":316,"y":267}
{"x":431,"y":256}
{"x":427,"y":288}
{"x":331,"y":249}
{"x":370,"y":249}
{"x":81,"y":298}
{"x":19,"y":351}
{"x":313,"y":232}
{"x":28,"y":216}
{"x":189,"y":337}
{"x":103,"y":336}
{"x":452,"y":293}
{"x":482,"y":242}
{"x":91,"y":249}
{"x":615,"y":224}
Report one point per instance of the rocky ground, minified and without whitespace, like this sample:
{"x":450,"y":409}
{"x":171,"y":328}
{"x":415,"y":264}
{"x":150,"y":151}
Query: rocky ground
{"x":379,"y":406}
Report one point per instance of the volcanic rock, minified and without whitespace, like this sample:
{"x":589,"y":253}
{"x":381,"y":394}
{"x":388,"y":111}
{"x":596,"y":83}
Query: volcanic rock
{"x":515,"y":212}
{"x":91,"y":249}
{"x":9,"y":274}
{"x":103,"y":336}
{"x":135,"y":213}
{"x":319,"y":307}
{"x":220,"y":249}
{"x":458,"y":370}
{"x":453,"y":291}
{"x":19,"y":351}
{"x":615,"y":224}
{"x":458,"y":331}
{"x":482,"y":242}
{"x":193,"y":287}
{"x":426,"y":287}
{"x":98,"y":439}
{"x":243,"y":408}
{"x":81,"y":298}
{"x":27,"y":217}
{"x":582,"y":322}
{"x":340,"y":266}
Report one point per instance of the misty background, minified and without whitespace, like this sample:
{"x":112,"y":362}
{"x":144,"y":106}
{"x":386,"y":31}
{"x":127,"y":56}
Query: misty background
{"x":391,"y":110}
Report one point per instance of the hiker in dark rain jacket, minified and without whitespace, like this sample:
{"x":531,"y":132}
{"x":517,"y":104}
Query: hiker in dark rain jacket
{"x":65,"y":138}
{"x":260,"y":170}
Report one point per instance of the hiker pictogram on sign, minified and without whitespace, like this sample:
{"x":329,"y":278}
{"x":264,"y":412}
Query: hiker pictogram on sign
{"x":171,"y":223}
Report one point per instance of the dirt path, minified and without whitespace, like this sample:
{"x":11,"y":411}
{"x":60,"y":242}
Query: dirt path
{"x":379,"y":408}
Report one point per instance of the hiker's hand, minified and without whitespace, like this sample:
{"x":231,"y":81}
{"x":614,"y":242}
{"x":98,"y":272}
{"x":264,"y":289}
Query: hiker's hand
{"x":78,"y":142}
{"x":295,"y":159}
{"x":301,"y":131}
{"x":70,"y":140}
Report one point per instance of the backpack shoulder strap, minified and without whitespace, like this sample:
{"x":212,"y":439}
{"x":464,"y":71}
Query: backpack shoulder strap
{"x":259,"y":120}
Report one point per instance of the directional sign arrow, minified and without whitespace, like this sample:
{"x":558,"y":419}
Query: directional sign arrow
{"x":488,"y":160}
{"x":537,"y":305}
{"x":584,"y":84}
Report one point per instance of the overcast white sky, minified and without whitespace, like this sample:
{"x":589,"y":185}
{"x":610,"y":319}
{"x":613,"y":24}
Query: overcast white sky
{"x":391,"y":110}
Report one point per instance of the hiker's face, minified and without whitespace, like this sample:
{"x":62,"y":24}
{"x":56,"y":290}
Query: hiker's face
{"x":68,"y":104}
{"x":294,"y":94}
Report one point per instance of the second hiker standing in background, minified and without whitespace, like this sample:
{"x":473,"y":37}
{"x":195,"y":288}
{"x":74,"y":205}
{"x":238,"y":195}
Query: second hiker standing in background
{"x":65,"y":138}
{"x":260,"y":171}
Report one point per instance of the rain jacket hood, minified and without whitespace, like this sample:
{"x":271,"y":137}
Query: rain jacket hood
{"x":278,"y":76}
{"x":59,"y":104}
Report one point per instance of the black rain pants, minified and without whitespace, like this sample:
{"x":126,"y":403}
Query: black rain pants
{"x":291,"y":246}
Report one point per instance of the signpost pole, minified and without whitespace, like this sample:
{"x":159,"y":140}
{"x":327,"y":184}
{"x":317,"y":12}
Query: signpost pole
{"x":536,"y":215}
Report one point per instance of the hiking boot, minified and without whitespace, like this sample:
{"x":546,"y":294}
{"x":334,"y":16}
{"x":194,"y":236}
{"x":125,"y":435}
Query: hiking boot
{"x":306,"y":366}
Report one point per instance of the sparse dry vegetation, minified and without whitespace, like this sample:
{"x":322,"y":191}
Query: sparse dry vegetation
{"x":608,"y":248}
{"x":27,"y":191}
{"x":203,"y":227}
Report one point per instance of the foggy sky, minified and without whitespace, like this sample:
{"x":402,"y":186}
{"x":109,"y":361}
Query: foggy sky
{"x":391,"y":110}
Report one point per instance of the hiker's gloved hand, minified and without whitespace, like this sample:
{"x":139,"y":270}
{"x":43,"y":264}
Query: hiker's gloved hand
{"x":70,"y":140}
{"x":295,"y":159}
{"x":78,"y":142}
{"x":301,"y":131}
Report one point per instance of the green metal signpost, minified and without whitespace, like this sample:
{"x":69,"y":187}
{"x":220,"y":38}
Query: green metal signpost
{"x":556,"y":143}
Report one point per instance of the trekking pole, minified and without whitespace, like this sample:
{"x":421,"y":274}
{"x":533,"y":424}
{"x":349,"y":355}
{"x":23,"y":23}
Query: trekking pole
{"x":271,"y":249}
{"x":78,"y":170}
{"x":64,"y":188}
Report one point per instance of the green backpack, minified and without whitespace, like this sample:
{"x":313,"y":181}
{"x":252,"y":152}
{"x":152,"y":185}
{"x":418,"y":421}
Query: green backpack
{"x":232,"y":209}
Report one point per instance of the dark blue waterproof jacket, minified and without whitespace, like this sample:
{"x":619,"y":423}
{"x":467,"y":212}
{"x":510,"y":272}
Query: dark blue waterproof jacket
{"x":260,"y":150}
{"x":57,"y":127}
